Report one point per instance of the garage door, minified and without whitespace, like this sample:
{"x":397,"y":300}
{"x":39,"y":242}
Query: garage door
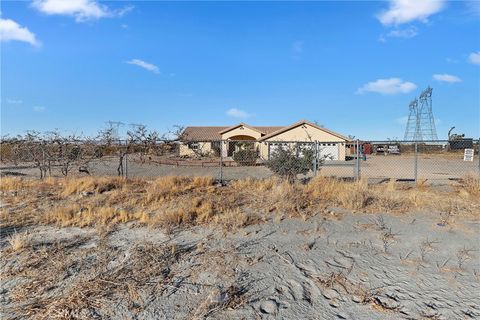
{"x":273,"y":148}
{"x":328,"y":150}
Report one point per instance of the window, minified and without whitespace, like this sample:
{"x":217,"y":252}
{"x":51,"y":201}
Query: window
{"x":193,"y":145}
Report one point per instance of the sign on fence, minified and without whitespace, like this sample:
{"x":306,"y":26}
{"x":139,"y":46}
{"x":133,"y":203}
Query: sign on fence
{"x":468,"y":155}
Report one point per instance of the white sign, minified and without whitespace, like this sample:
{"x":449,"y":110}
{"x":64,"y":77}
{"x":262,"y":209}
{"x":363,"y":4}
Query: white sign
{"x":468,"y":155}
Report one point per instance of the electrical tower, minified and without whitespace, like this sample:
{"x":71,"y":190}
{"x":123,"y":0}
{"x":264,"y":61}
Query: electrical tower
{"x":412,"y":121}
{"x":421,"y":123}
{"x":114,"y":126}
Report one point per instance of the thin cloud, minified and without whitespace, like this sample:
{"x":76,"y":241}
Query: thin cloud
{"x":14,"y":101}
{"x":450,"y":60}
{"x":405,"y":11}
{"x":473,"y":7}
{"x":387,"y":86}
{"x":12,"y":31}
{"x":403,"y":33}
{"x":446,"y":78}
{"x":407,"y":33}
{"x":81,"y":10}
{"x":297,"y":46}
{"x":145,"y":65}
{"x":39,"y":109}
{"x":237,"y":113}
{"x":474,"y":57}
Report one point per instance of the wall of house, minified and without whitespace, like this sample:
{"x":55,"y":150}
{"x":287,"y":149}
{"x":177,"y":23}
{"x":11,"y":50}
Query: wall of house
{"x":241,"y":131}
{"x":203,"y":147}
{"x":305,"y":133}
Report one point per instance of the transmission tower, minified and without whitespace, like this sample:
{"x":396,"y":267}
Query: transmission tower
{"x":421,"y":123}
{"x":410,"y":132}
{"x":114,"y":126}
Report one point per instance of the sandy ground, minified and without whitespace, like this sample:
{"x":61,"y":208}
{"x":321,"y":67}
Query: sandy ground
{"x":436,"y":168}
{"x":336,"y":266}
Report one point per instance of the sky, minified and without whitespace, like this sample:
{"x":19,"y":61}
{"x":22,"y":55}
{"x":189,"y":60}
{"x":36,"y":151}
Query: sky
{"x":351,"y":66}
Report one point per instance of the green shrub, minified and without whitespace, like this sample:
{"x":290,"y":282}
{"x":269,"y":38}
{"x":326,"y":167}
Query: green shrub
{"x":287,"y":163}
{"x":246,"y":157}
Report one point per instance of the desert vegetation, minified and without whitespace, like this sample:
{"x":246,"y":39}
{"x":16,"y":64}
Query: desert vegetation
{"x":185,"y":201}
{"x":109,"y":247}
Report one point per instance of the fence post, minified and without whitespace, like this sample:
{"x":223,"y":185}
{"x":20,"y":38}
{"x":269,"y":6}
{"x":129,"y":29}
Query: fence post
{"x":415,"y":163}
{"x":478,"y":147}
{"x":360,"y":157}
{"x":357,"y":160}
{"x":315,"y":158}
{"x":126,"y":159}
{"x":221,"y":161}
{"x":355,"y":165}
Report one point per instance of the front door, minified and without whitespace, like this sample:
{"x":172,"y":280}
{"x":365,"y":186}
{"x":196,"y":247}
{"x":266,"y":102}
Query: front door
{"x":231,"y":148}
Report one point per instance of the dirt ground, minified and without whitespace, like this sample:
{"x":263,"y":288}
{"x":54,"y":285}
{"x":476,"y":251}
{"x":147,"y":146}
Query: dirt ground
{"x":336,"y":266}
{"x":435,"y":168}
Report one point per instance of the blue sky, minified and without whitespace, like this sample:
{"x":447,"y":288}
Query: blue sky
{"x":352,"y":66}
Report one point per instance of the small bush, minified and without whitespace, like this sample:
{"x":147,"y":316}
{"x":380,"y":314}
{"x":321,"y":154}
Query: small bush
{"x":246,"y":157}
{"x":288,"y":163}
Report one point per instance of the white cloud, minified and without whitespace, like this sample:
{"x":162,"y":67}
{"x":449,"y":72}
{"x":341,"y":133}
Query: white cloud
{"x":404,"y":11}
{"x":12,"y":31}
{"x":403,"y":33}
{"x":82,"y":10}
{"x":39,"y":109}
{"x":474,"y":57}
{"x":446,"y":78}
{"x":407,"y":33}
{"x":14,"y":101}
{"x":388,"y":86}
{"x":123,"y":11}
{"x":450,"y":60}
{"x":237,"y":113}
{"x":145,"y":65}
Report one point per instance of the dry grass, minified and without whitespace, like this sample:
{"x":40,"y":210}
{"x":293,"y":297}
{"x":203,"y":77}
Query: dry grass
{"x":182,"y":201}
{"x":19,"y":241}
{"x":471,"y":186}
{"x":14,"y":183}
{"x":68,"y":281}
{"x":92,"y":184}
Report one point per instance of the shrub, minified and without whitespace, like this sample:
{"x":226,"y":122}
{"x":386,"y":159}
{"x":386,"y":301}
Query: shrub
{"x":246,"y":156}
{"x":288,"y":163}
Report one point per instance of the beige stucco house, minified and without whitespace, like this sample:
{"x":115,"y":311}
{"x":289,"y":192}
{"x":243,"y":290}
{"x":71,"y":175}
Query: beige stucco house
{"x":226,"y":140}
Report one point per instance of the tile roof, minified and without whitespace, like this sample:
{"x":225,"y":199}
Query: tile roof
{"x":202,"y":133}
{"x":215,"y":133}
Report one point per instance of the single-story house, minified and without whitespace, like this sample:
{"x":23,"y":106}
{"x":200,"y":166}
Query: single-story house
{"x":227,"y":140}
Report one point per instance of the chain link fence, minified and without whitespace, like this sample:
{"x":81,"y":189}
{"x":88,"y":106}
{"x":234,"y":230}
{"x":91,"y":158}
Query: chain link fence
{"x":225,"y":160}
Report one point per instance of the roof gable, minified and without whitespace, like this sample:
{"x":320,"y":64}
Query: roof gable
{"x":215,"y":133}
{"x":241,"y":125}
{"x":299,"y":123}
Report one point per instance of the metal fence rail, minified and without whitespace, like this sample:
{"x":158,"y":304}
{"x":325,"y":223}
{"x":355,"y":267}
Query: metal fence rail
{"x":438,"y":160}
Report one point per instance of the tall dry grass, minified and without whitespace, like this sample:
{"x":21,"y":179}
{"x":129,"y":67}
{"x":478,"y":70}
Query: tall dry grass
{"x":93,"y":184}
{"x":19,"y":241}
{"x":186,"y":201}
